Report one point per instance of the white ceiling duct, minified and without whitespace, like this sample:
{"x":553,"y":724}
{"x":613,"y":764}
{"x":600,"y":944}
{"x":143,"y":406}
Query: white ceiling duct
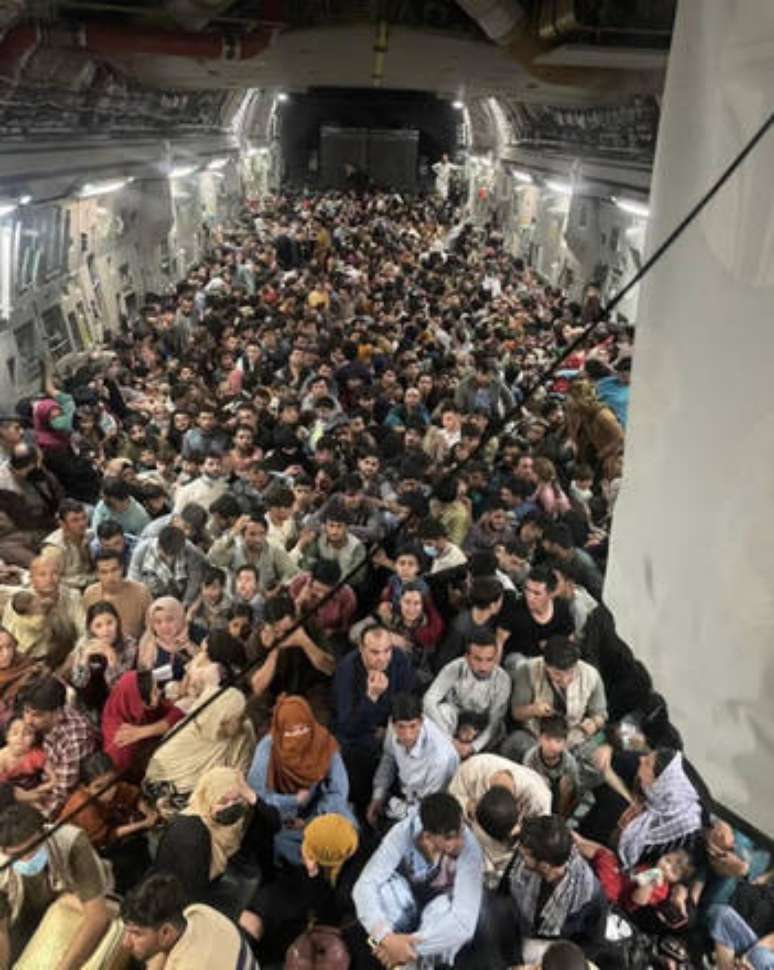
{"x":497,"y":18}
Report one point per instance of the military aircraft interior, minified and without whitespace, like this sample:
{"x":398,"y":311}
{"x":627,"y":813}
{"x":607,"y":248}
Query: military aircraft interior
{"x":386,"y":426}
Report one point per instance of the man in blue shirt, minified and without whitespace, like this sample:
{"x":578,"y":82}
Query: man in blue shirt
{"x":364,"y":685}
{"x":420,"y":893}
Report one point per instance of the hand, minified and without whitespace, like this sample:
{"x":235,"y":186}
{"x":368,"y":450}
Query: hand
{"x":373,"y":812}
{"x":303,"y":795}
{"x":128,"y":734}
{"x":376,"y":685}
{"x":543,"y":709}
{"x":239,"y":525}
{"x":246,"y":793}
{"x":380,"y":558}
{"x":306,"y":537}
{"x":396,"y":949}
{"x":589,"y":726}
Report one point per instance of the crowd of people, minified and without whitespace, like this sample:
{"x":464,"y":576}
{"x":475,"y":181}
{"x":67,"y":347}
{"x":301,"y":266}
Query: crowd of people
{"x":304,"y":659}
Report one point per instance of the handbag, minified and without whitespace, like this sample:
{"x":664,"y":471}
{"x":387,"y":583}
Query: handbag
{"x":319,"y":947}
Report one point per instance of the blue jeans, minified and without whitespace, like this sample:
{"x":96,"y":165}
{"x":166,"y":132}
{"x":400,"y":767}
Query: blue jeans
{"x":727,"y":928}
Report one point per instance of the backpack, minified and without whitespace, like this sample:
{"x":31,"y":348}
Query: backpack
{"x":318,"y":948}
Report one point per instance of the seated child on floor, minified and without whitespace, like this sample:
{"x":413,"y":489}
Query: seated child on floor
{"x":23,"y":765}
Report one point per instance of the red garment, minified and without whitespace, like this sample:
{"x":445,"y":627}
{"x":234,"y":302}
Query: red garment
{"x":31,"y":765}
{"x":618,"y":887}
{"x":336,"y":614}
{"x":126,"y":706}
{"x":45,"y":436}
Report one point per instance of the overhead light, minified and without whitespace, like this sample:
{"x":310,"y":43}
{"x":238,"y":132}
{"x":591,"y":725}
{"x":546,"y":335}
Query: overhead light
{"x":282,"y":96}
{"x":522,"y":177}
{"x":216,"y":164}
{"x":181,"y":171}
{"x":102,"y":188}
{"x":458,"y":105}
{"x":632,"y":207}
{"x":25,"y":199}
{"x":562,"y":188}
{"x":7,"y":208}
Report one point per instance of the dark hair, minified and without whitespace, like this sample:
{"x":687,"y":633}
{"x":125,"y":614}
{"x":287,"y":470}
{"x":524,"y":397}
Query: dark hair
{"x":157,"y":900}
{"x":326,"y":571}
{"x":45,"y":694}
{"x":547,"y":838}
{"x":18,"y":824}
{"x":480,"y":636}
{"x":103,"y":606}
{"x":498,"y":813}
{"x":224,"y":649}
{"x":483,"y":563}
{"x":564,"y":956}
{"x":554,"y":726}
{"x":561,"y":652}
{"x":560,"y":534}
{"x":247,"y":567}
{"x":409,"y":549}
{"x":542,"y":574}
{"x":227,"y":506}
{"x":109,"y":528}
{"x":406,"y":707}
{"x":95,"y":766}
{"x":432,"y":529}
{"x":662,"y":760}
{"x":69,"y":505}
{"x":145,"y":685}
{"x":171,"y":540}
{"x":194,"y":515}
{"x":212,"y":574}
{"x":108,"y":554}
{"x":278,"y":607}
{"x":115,"y":488}
{"x":280,"y":497}
{"x":485,"y":591}
{"x":440,"y":814}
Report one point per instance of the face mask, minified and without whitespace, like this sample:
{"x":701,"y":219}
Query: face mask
{"x":430,"y":551}
{"x":33,"y":866}
{"x":60,"y":423}
{"x":231,"y":814}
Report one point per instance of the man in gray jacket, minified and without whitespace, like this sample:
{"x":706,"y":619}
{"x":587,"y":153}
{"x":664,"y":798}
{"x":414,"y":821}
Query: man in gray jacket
{"x":169,"y":565}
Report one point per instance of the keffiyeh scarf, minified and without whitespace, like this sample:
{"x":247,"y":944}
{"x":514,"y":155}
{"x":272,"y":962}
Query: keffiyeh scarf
{"x":571,"y":893}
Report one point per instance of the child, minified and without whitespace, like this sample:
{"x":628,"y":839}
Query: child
{"x":551,"y":759}
{"x":112,"y":817}
{"x":23,"y":765}
{"x":209,"y":609}
{"x":648,"y":885}
{"x":408,"y":564}
{"x":246,"y":592}
{"x":26,"y":622}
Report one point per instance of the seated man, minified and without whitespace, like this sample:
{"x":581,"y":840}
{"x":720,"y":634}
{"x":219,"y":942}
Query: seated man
{"x":420,"y":893}
{"x":111,"y":537}
{"x":130,"y":599}
{"x":246,"y":544}
{"x":54,"y":607}
{"x":68,"y":737}
{"x":44,"y":868}
{"x":308,"y":591}
{"x":205,"y":489}
{"x":554,"y":892}
{"x":416,"y":754}
{"x":557,"y":683}
{"x":336,"y":543}
{"x":69,"y":545}
{"x":365,"y":682}
{"x":169,"y":566}
{"x":165,"y":934}
{"x":540,"y":615}
{"x":469,"y":697}
{"x":118,"y":504}
{"x":529,"y":797}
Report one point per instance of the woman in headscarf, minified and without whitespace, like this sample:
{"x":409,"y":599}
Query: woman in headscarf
{"x":199,"y":843}
{"x":134,"y":716}
{"x":219,"y":735}
{"x":298,"y":769}
{"x":165,"y":640}
{"x":670,"y":817}
{"x":321,"y":890}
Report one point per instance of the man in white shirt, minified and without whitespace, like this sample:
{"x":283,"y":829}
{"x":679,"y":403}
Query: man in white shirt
{"x":205,"y":489}
{"x":417,"y":754}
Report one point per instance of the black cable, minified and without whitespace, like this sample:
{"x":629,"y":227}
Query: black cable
{"x":491,"y":432}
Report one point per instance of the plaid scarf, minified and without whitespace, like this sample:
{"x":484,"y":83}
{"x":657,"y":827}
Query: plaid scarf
{"x":573,"y":891}
{"x":672,"y":812}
